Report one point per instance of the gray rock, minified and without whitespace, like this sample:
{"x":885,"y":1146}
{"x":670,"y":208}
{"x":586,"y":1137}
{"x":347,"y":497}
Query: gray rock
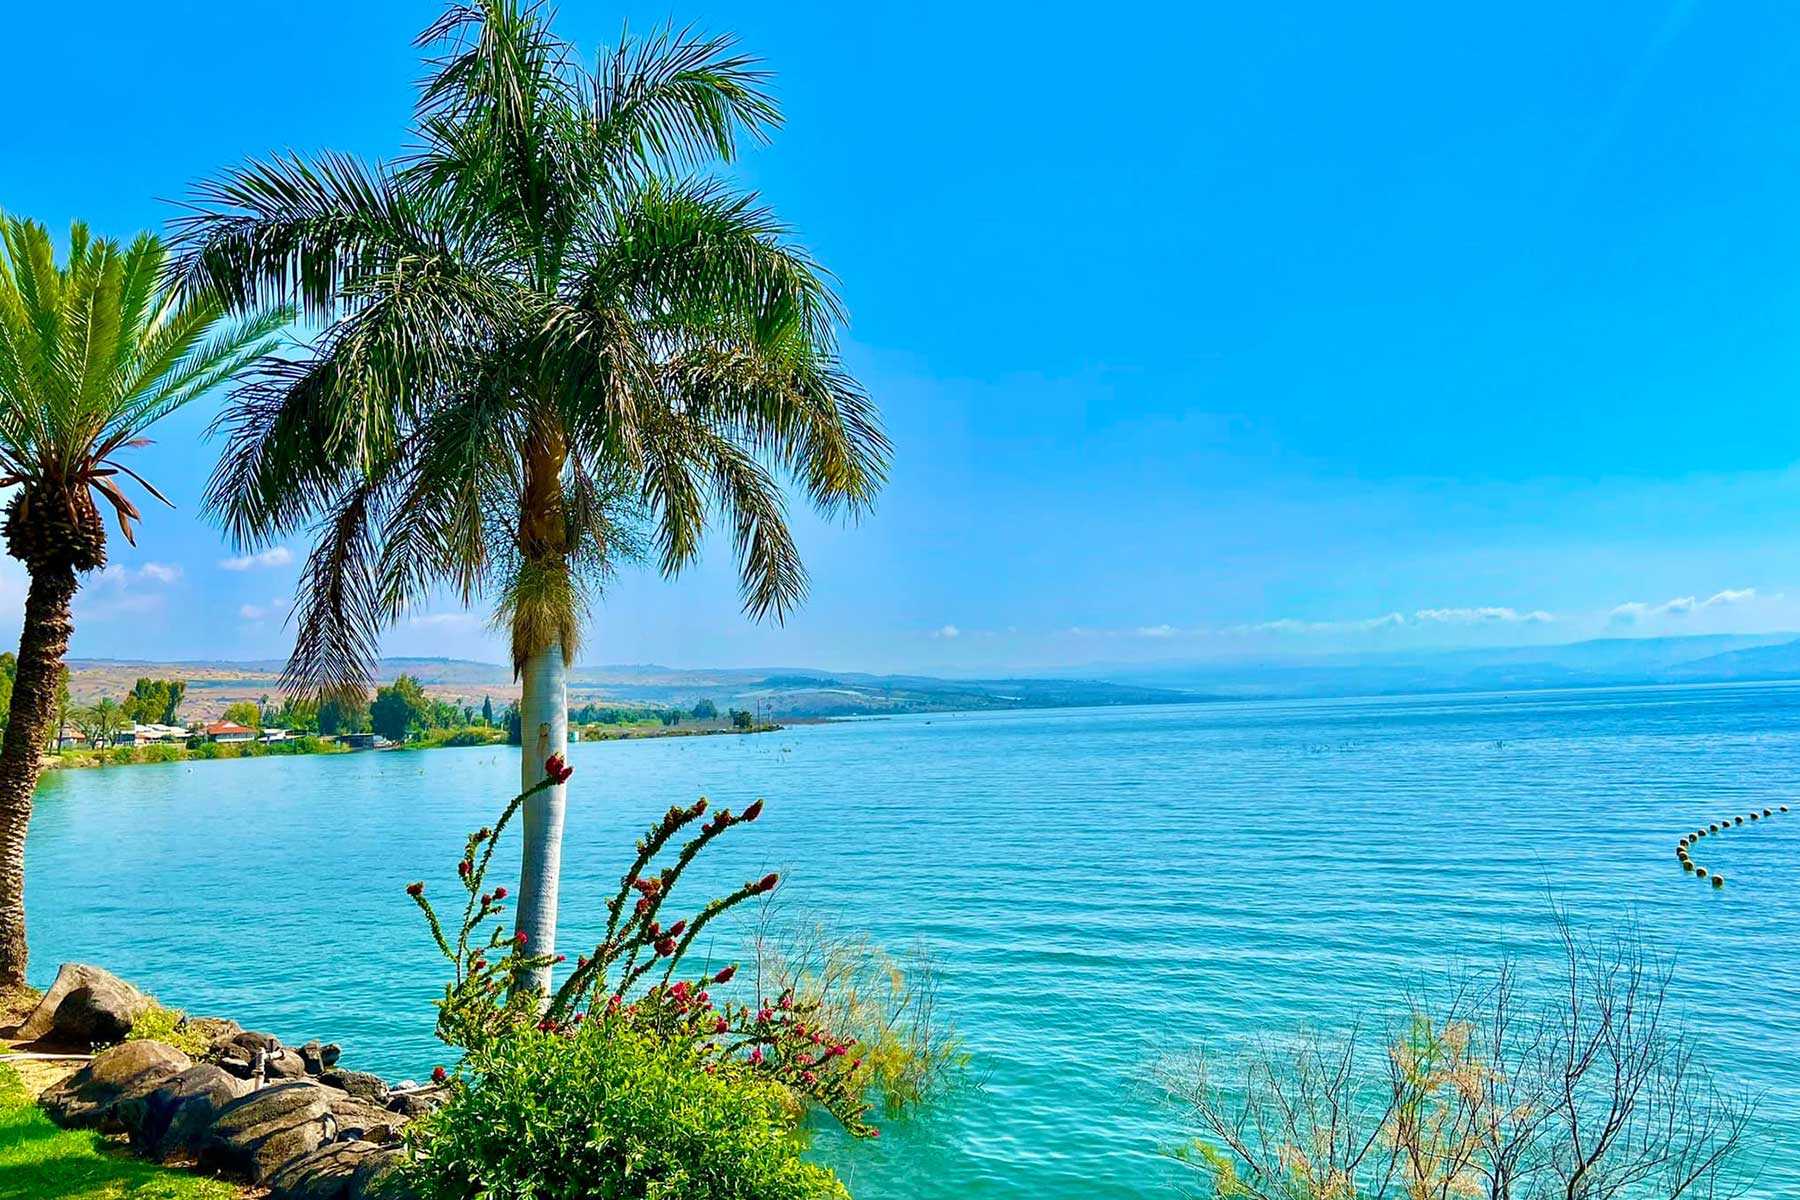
{"x":84,"y":1005}
{"x":214,"y":1029}
{"x":174,"y":1117}
{"x":320,"y":1059}
{"x":381,"y":1177}
{"x":361,"y":1120}
{"x":258,"y":1134}
{"x":418,"y":1103}
{"x":328,"y":1173}
{"x":91,"y":1096}
{"x":360,"y":1084}
{"x":286,"y":1064}
{"x":246,"y":1043}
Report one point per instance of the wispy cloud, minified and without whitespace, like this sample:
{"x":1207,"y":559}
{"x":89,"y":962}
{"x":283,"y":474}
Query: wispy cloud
{"x":1482,"y":616}
{"x":1634,"y":612}
{"x":275,"y":556}
{"x":946,"y":632}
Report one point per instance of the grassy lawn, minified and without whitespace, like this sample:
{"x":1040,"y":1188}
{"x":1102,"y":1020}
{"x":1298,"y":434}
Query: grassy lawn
{"x":42,"y":1162}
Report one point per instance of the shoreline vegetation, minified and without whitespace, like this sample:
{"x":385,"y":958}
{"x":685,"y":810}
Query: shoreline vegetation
{"x":157,"y":753}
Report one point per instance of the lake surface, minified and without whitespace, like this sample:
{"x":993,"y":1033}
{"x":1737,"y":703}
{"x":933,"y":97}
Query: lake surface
{"x":1096,"y":885}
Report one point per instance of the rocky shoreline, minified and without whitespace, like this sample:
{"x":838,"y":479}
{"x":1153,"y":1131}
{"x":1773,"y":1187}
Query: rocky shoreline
{"x":288,"y":1119}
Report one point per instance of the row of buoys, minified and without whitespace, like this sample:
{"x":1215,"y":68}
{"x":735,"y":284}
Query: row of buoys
{"x":1715,"y":828}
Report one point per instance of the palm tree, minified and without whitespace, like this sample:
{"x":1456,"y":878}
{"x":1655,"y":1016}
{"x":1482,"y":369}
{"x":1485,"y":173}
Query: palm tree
{"x":92,"y":353}
{"x":546,"y":342}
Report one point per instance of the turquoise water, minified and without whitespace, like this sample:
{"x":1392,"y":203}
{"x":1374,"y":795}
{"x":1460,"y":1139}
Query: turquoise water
{"x":1097,"y":885}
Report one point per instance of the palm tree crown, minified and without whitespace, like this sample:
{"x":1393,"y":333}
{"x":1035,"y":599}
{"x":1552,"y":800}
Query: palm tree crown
{"x":542,"y":331}
{"x":92,"y":353}
{"x":539,"y":328}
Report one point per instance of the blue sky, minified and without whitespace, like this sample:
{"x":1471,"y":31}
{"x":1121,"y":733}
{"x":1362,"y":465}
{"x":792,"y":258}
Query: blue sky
{"x":1200,"y":329}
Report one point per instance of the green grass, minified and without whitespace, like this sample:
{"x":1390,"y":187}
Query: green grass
{"x":41,"y":1162}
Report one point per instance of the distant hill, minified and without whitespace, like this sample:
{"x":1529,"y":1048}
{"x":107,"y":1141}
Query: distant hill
{"x":1598,"y":662}
{"x":777,"y":692}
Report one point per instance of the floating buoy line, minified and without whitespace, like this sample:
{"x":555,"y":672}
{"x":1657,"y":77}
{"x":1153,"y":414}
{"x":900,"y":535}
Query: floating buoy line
{"x":1713,"y":830}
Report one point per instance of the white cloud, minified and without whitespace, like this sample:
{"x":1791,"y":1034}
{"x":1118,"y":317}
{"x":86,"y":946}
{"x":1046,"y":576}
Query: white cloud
{"x":251,"y":612}
{"x":275,"y":556}
{"x":119,"y":576}
{"x":1634,"y":611}
{"x":1483,"y":616}
{"x":947,"y":632}
{"x":1156,"y":631}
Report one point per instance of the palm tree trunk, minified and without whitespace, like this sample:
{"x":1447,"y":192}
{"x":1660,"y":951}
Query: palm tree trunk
{"x":42,"y":644}
{"x":544,"y":730}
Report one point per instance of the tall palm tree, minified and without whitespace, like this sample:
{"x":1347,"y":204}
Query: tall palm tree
{"x":92,"y":353}
{"x":544,"y":333}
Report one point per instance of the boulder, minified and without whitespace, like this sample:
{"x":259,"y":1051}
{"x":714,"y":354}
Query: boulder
{"x":360,"y":1120}
{"x":258,"y":1134}
{"x":380,"y":1177}
{"x":286,"y":1064}
{"x":267,"y":1129}
{"x":214,"y":1029}
{"x":91,"y":1096}
{"x":174,"y":1117}
{"x":416,"y":1103}
{"x":360,"y":1084}
{"x":327,"y":1173}
{"x":245,"y":1052}
{"x":320,"y":1059}
{"x":84,"y":1005}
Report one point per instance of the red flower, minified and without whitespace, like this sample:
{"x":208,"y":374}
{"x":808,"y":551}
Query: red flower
{"x":499,"y":893}
{"x":721,"y":1025}
{"x":808,"y":1077}
{"x":438,"y":1075}
{"x":561,"y":958}
{"x":765,"y":884}
{"x":725,"y":975}
{"x":520,"y":937}
{"x":464,"y":867}
{"x":415,"y":890}
{"x":487,"y":898}
{"x":666,"y":947}
{"x":483,"y":834}
{"x":676,"y":929}
{"x":767,"y":1014}
{"x":753,"y":812}
{"x":756,"y":1056}
{"x":557,"y":769}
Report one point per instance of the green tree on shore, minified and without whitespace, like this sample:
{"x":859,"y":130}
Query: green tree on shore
{"x":344,"y":713}
{"x":400,"y":708}
{"x":92,"y":353}
{"x":247,"y":713}
{"x":543,"y":331}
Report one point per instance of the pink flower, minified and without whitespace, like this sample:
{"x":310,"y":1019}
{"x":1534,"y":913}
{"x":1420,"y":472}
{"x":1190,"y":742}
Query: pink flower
{"x":756,"y":1056}
{"x":561,"y":958}
{"x":808,"y":1077}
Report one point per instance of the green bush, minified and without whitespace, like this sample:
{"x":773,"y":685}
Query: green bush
{"x":608,"y":1111}
{"x":169,"y":1026}
{"x":122,"y":756}
{"x":160,"y":752}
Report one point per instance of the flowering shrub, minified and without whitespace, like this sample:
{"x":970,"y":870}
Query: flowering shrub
{"x":632,"y":985}
{"x":615,"y":1112}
